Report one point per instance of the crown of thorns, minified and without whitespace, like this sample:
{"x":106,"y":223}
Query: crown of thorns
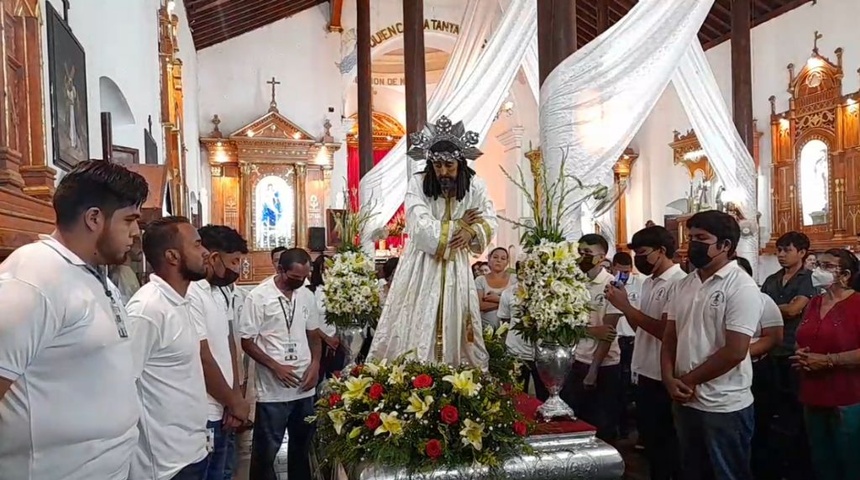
{"x":444,"y":131}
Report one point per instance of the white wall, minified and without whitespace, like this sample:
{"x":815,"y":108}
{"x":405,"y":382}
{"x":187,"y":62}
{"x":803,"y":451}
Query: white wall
{"x":120,"y":40}
{"x":655,"y":181}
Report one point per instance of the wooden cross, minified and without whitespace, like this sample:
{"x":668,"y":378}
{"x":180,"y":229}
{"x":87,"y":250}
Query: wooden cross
{"x":818,"y":36}
{"x":273,"y":105}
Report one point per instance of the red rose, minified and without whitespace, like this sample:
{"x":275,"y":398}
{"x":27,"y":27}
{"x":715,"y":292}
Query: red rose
{"x":373,"y":422}
{"x":376,"y":391}
{"x":333,"y":399}
{"x":449,"y":414}
{"x":433,"y":449}
{"x":520,"y":429}
{"x":423,"y":381}
{"x":356,"y":370}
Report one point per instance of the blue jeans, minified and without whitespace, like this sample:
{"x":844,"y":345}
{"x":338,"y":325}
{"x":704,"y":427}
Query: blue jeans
{"x":271,"y":421}
{"x":195,"y":471}
{"x":714,"y":446}
{"x":220,"y":461}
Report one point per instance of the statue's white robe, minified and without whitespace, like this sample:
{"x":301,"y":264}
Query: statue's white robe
{"x":433,"y":303}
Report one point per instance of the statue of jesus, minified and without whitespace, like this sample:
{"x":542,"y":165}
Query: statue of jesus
{"x":433,"y":309}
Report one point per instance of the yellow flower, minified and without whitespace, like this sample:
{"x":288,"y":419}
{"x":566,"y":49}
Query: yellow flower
{"x":473,"y":434}
{"x":502,"y":330}
{"x":417,"y":406}
{"x":373,"y":368}
{"x":494,"y":407}
{"x":397,"y":375}
{"x":390,"y":424}
{"x":355,"y":388}
{"x":338,"y":418}
{"x":463,"y":382}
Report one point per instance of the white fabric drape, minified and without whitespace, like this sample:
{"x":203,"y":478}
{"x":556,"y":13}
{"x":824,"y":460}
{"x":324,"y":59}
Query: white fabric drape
{"x":596,"y":100}
{"x":473,"y":92}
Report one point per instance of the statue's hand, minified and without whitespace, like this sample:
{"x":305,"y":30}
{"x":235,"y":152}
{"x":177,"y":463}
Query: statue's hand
{"x":472,"y":216}
{"x":461,"y":239}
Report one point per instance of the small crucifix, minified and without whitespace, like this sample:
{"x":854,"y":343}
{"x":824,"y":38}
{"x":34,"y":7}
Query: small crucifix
{"x":818,"y":36}
{"x":66,"y":11}
{"x":273,"y":105}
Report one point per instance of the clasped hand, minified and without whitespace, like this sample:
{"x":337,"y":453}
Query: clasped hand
{"x":807,"y":361}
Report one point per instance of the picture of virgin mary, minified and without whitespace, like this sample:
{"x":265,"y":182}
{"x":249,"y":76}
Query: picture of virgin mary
{"x":274,"y":213}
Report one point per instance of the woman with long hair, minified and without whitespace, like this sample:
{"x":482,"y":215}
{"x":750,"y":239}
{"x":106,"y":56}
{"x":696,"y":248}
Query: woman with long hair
{"x":828,"y":357}
{"x":491,"y":286}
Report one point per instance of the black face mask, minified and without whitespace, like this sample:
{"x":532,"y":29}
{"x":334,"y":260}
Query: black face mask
{"x":225,"y":280}
{"x":641,"y":262}
{"x":698,"y":254}
{"x":586,"y":262}
{"x":293,"y":283}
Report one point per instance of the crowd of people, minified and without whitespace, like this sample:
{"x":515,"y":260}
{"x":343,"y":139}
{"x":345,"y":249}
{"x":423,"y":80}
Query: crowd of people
{"x":728,"y":380}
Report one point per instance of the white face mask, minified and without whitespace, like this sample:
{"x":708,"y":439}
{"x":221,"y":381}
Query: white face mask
{"x":822,"y":278}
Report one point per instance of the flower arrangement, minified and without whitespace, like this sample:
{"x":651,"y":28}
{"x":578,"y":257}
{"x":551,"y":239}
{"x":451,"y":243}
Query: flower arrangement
{"x":418,"y":416}
{"x":502,"y":366}
{"x":350,"y":290}
{"x":553,"y":303}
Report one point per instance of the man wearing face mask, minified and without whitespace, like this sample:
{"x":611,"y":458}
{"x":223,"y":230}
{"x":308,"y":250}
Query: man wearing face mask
{"x":211,"y":308}
{"x":706,"y":367}
{"x":595,"y":389}
{"x":654,"y":247}
{"x":280,"y":332}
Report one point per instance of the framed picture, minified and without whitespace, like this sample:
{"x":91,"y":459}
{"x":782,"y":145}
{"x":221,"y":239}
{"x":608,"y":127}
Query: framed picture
{"x":67,"y":79}
{"x":125,"y":155}
{"x":333,"y":240}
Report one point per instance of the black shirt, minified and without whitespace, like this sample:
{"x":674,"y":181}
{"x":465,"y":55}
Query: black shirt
{"x":800,"y":285}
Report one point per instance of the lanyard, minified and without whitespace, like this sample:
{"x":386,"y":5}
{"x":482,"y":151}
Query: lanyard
{"x":227,"y":299}
{"x":288,"y":319}
{"x":115,"y":307}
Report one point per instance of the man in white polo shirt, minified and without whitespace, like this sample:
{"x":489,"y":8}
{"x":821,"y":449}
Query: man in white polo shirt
{"x":279,"y":332}
{"x":173,"y":436}
{"x":654,"y":248}
{"x":706,"y":367}
{"x":210,"y":303}
{"x":594,"y":388}
{"x":68,"y":405}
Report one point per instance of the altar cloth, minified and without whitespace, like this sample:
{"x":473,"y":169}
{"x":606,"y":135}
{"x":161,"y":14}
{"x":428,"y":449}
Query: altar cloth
{"x":528,"y":405}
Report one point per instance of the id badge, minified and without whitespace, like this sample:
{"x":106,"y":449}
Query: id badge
{"x":119,"y":317}
{"x":210,"y":440}
{"x":292,"y":351}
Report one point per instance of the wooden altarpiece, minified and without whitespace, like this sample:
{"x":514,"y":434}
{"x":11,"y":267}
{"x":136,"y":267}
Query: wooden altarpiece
{"x":172,"y":110}
{"x":816,"y":157}
{"x":270,"y":181}
{"x":26,"y":179}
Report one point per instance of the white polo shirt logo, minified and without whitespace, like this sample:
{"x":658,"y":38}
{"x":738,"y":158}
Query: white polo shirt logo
{"x":600,"y":300}
{"x":660,"y":294}
{"x":717,"y":299}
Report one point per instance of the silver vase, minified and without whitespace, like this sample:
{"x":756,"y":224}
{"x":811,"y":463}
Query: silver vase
{"x":351,"y":339}
{"x":553,"y":363}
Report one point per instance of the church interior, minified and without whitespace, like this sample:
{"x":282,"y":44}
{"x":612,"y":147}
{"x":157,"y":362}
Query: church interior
{"x":266,"y":115}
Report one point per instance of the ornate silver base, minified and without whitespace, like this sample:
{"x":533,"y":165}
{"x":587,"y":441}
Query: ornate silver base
{"x":555,"y":407}
{"x":556,"y":457}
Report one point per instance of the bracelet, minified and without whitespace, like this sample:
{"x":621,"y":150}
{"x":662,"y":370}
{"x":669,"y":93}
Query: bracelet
{"x":830,"y":362}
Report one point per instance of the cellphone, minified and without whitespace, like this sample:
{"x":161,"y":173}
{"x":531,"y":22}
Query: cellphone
{"x":621,"y":279}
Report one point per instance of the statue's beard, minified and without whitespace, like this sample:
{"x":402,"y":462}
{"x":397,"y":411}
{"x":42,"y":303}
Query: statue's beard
{"x":447,"y":184}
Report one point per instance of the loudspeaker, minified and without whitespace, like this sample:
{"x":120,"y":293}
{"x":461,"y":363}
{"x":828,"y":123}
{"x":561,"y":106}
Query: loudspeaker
{"x":316,"y":239}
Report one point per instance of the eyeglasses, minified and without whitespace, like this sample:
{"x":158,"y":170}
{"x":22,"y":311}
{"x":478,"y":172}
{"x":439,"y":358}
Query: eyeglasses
{"x":827,"y":266}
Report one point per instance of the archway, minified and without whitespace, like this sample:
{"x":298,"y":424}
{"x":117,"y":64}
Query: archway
{"x":113,"y":101}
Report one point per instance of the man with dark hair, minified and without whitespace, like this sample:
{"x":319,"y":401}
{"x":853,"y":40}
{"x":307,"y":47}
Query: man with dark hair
{"x":68,"y":405}
{"x":713,"y":314}
{"x":279,"y":330}
{"x":654,"y":248}
{"x":166,"y":350}
{"x":791,"y":287}
{"x":594,"y":389}
{"x":211,"y":306}
{"x":276,"y":255}
{"x":451,"y":217}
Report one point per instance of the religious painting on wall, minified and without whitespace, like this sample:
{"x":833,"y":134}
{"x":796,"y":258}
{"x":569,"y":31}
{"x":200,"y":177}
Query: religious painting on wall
{"x":68,"y":83}
{"x":274,"y":207}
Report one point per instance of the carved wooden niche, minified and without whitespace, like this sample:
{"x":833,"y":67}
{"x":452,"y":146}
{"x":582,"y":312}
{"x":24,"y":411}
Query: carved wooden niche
{"x":172,"y":112}
{"x":26,"y":180}
{"x":816,"y":157}
{"x":270,"y":181}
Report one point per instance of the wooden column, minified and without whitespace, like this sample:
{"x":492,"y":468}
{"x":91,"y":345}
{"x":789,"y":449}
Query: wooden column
{"x":301,"y":205}
{"x":741,"y":71}
{"x":602,"y":17}
{"x":365,"y":88}
{"x":413,"y":59}
{"x":556,"y":33}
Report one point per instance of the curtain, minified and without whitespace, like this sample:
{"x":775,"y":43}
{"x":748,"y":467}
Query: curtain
{"x":353,"y":171}
{"x":473,"y":87}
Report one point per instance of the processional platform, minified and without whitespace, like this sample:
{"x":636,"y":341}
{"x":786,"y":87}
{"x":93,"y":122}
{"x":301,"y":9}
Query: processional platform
{"x":563,"y":450}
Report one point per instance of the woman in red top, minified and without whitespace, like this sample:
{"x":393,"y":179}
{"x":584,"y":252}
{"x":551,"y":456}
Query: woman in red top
{"x":828,"y":354}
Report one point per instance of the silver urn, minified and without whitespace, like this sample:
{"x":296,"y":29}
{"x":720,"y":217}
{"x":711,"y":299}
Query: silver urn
{"x":351,"y":339}
{"x":553,"y":363}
